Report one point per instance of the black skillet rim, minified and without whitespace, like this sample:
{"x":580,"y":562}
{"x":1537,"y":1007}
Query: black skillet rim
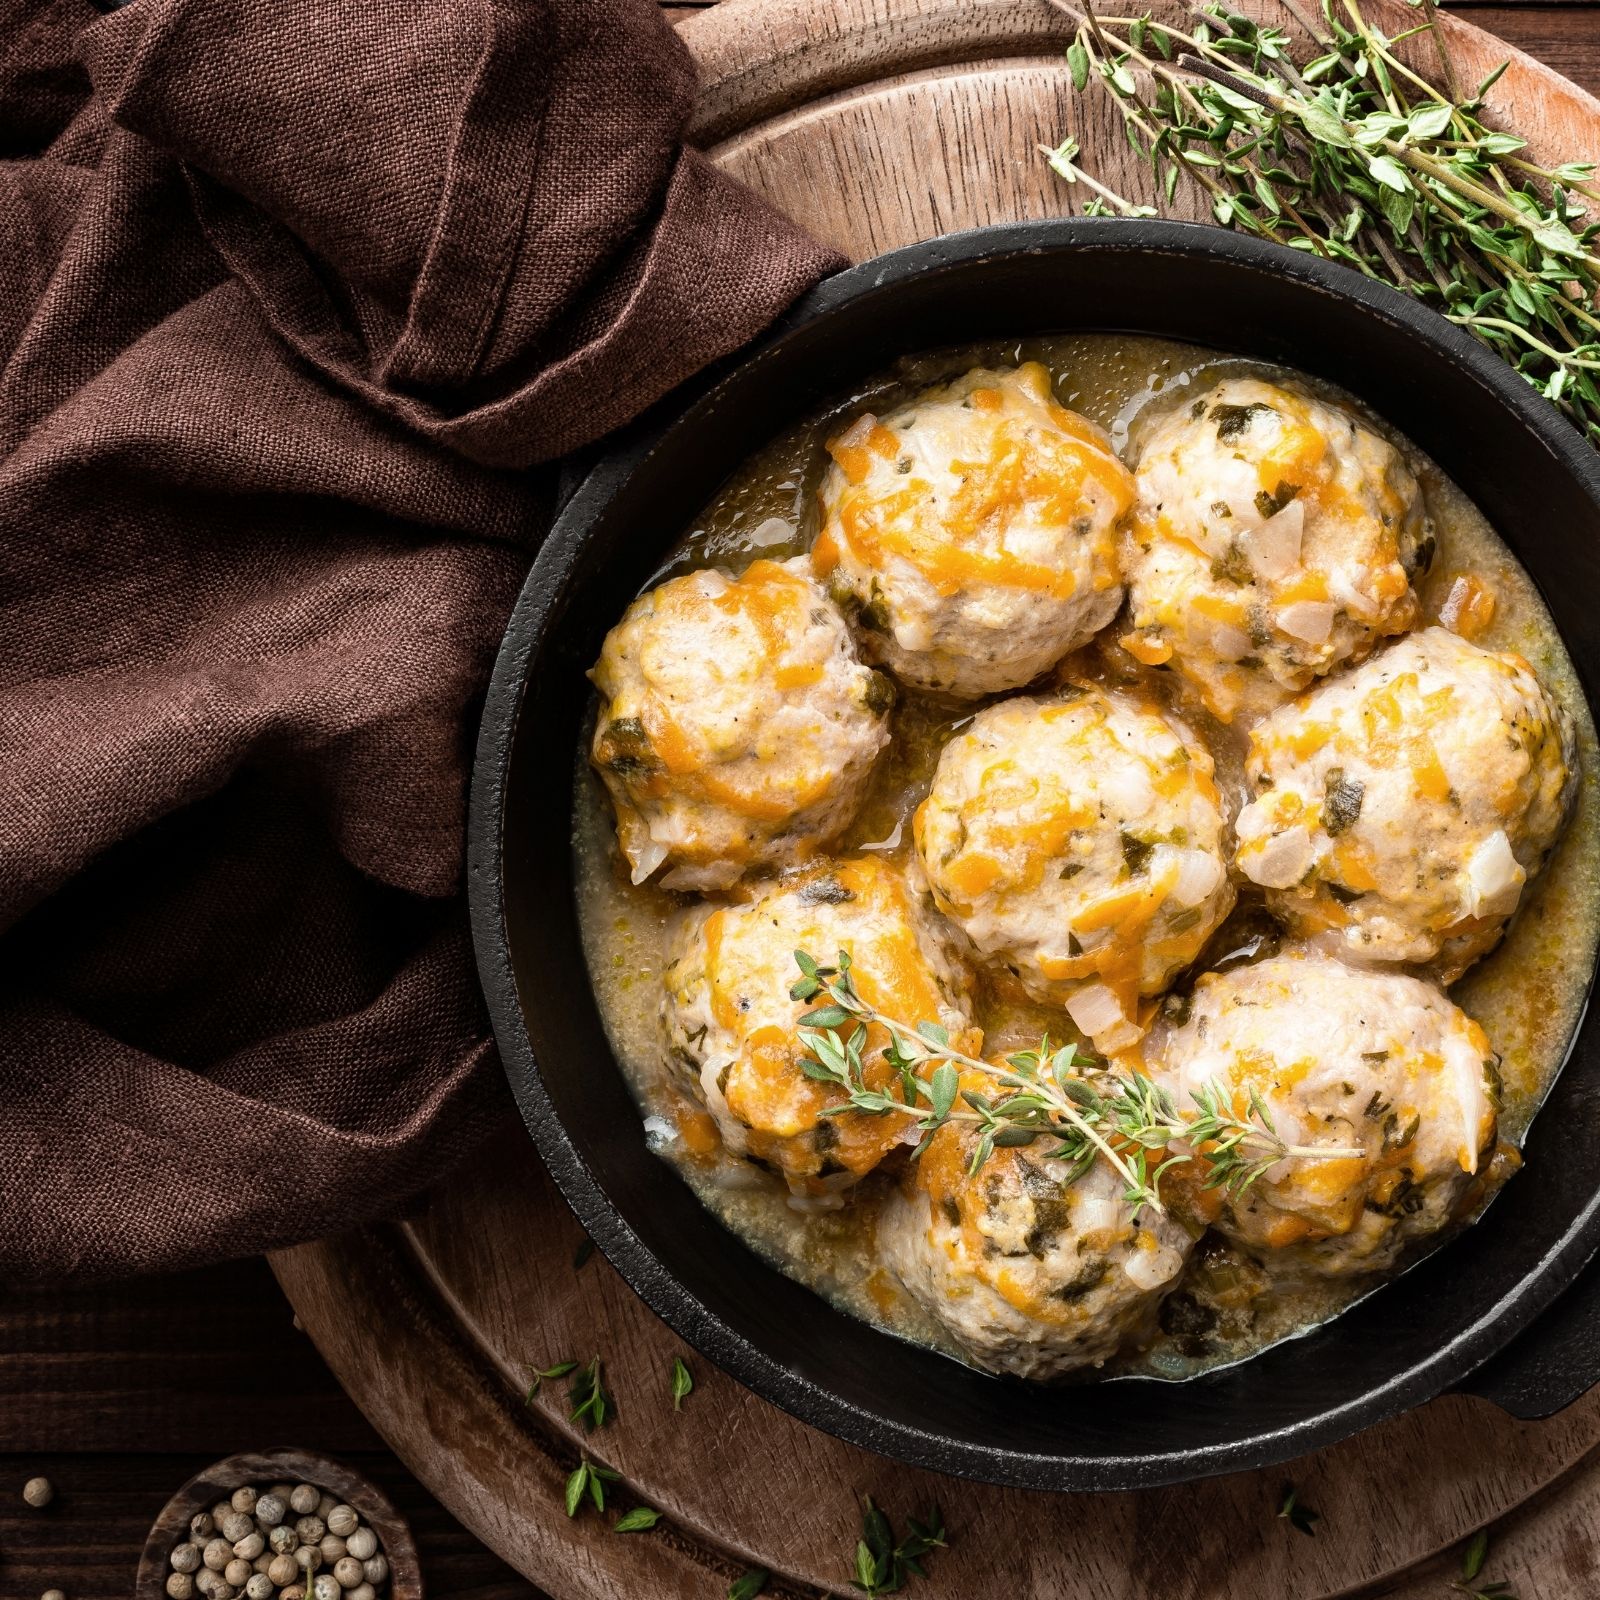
{"x":1454,"y":1360}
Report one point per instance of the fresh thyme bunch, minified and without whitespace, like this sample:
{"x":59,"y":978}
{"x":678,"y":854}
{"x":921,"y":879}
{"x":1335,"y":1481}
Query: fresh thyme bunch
{"x":1355,"y":156}
{"x":1091,"y":1113}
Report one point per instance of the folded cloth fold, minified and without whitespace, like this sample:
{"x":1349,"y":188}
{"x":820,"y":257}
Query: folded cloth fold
{"x":291,"y":299}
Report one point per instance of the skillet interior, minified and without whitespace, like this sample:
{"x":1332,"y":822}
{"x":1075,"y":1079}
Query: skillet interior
{"x":1538,"y":483}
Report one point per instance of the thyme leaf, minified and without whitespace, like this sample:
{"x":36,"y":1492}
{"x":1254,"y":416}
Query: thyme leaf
{"x":1299,"y":1517}
{"x":682,"y":1382}
{"x":589,"y":1398}
{"x":883,"y":1563}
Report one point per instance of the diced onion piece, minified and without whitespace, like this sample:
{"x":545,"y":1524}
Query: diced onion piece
{"x":1127,"y":790}
{"x":647,"y":858}
{"x":1310,"y":621}
{"x":1096,"y":1010}
{"x":771,"y":531}
{"x":1199,"y":877}
{"x":1149,"y":1269}
{"x":1494,"y":878}
{"x":858,"y":432}
{"x":1281,"y":862}
{"x":1229,"y":643}
{"x":1275,"y":545}
{"x":1097,"y":1213}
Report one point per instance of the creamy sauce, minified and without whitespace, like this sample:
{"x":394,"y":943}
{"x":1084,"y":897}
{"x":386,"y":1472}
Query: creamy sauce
{"x":1528,"y":994}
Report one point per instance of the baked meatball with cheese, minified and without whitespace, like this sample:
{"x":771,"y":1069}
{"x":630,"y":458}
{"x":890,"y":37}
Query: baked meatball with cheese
{"x":729,"y":1020}
{"x":971,"y":534}
{"x":1030,"y":1273}
{"x":1342,"y":1057}
{"x":1274,"y":540}
{"x":737,"y":726}
{"x":1078,"y":842}
{"x":1399,"y":810}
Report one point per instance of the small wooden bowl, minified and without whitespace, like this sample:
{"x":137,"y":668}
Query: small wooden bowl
{"x":219,"y":1480}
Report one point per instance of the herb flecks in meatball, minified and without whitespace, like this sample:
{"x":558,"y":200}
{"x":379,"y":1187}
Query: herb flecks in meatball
{"x":1078,"y":842}
{"x":1031,"y":1270}
{"x":1273,"y":541}
{"x":737,"y":726}
{"x":971,"y":534}
{"x":1400,"y":809}
{"x":729,"y":1020}
{"x":1338,"y":1056}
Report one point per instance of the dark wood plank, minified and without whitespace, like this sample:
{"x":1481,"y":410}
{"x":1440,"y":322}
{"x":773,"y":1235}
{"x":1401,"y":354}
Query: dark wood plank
{"x":118,"y":1394}
{"x":1566,"y":37}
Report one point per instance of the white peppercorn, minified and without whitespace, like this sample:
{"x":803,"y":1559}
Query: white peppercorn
{"x":303,"y":1499}
{"x":38,"y":1492}
{"x":331,"y":1546}
{"x":201,"y":1526}
{"x":347,"y":1570}
{"x":180,"y":1586}
{"x":185,"y":1557}
{"x":311,"y":1529}
{"x":309,"y":1557}
{"x":376,"y":1568}
{"x":217,"y":1554}
{"x":204,"y":1579}
{"x":259,"y":1587}
{"x":325,"y":1504}
{"x":237,"y":1525}
{"x":362,"y":1543}
{"x":223,"y":1590}
{"x":325,"y":1586}
{"x":293,"y":1592}
{"x":362,"y":1591}
{"x":271,"y":1509}
{"x":220,"y":1512}
{"x":343,"y":1521}
{"x":284,"y":1569}
{"x":250,"y":1546}
{"x":52,"y":1594}
{"x":262,"y":1562}
{"x":244,"y":1499}
{"x":283,"y":1539}
{"x":237,"y":1572}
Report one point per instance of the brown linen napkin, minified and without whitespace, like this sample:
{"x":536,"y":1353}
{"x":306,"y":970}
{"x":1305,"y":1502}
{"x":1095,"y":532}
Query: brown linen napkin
{"x":290,"y":296}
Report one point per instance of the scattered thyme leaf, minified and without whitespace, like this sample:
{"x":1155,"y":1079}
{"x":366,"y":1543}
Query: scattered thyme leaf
{"x":682,"y":1382}
{"x":1299,"y":1517}
{"x":640,"y":1520}
{"x":588,"y":1481}
{"x":540,"y":1374}
{"x":882,"y":1563}
{"x":749,"y":1584}
{"x":591,"y":1402}
{"x":581,"y":1255}
{"x":1476,"y":1553}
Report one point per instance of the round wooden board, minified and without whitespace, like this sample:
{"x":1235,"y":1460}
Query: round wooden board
{"x":877,"y":122}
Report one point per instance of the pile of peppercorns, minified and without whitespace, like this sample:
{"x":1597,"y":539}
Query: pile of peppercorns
{"x":289,"y":1542}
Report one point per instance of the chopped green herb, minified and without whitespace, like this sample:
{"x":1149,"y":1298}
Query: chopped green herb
{"x":749,"y":1584}
{"x":559,"y":1370}
{"x":640,"y":1520}
{"x":591,"y":1403}
{"x":883,"y":1564}
{"x":682,"y":1382}
{"x":1299,"y":1517}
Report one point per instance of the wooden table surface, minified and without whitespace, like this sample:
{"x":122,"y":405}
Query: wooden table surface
{"x":118,"y":1394}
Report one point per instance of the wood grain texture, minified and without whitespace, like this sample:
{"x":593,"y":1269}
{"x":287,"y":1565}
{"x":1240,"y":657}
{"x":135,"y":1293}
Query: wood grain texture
{"x":876,"y":122}
{"x":119,"y":1393}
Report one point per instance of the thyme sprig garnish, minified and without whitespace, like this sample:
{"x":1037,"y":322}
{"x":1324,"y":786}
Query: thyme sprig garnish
{"x":1353,"y":155}
{"x":589,"y":1398}
{"x":1297,"y":1514}
{"x":1126,"y":1120}
{"x":1472,"y":1563}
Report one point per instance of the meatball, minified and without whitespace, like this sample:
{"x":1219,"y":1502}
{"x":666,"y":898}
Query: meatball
{"x":1399,"y":809}
{"x":971,"y":534}
{"x":1078,"y":842}
{"x":1031,"y":1272}
{"x":737,"y":727}
{"x":729,"y":1020}
{"x":1343,"y":1057}
{"x":1274,"y":540}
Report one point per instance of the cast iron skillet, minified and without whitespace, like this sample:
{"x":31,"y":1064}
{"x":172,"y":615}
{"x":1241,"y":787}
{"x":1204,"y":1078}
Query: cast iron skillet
{"x":1427,"y":1331}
